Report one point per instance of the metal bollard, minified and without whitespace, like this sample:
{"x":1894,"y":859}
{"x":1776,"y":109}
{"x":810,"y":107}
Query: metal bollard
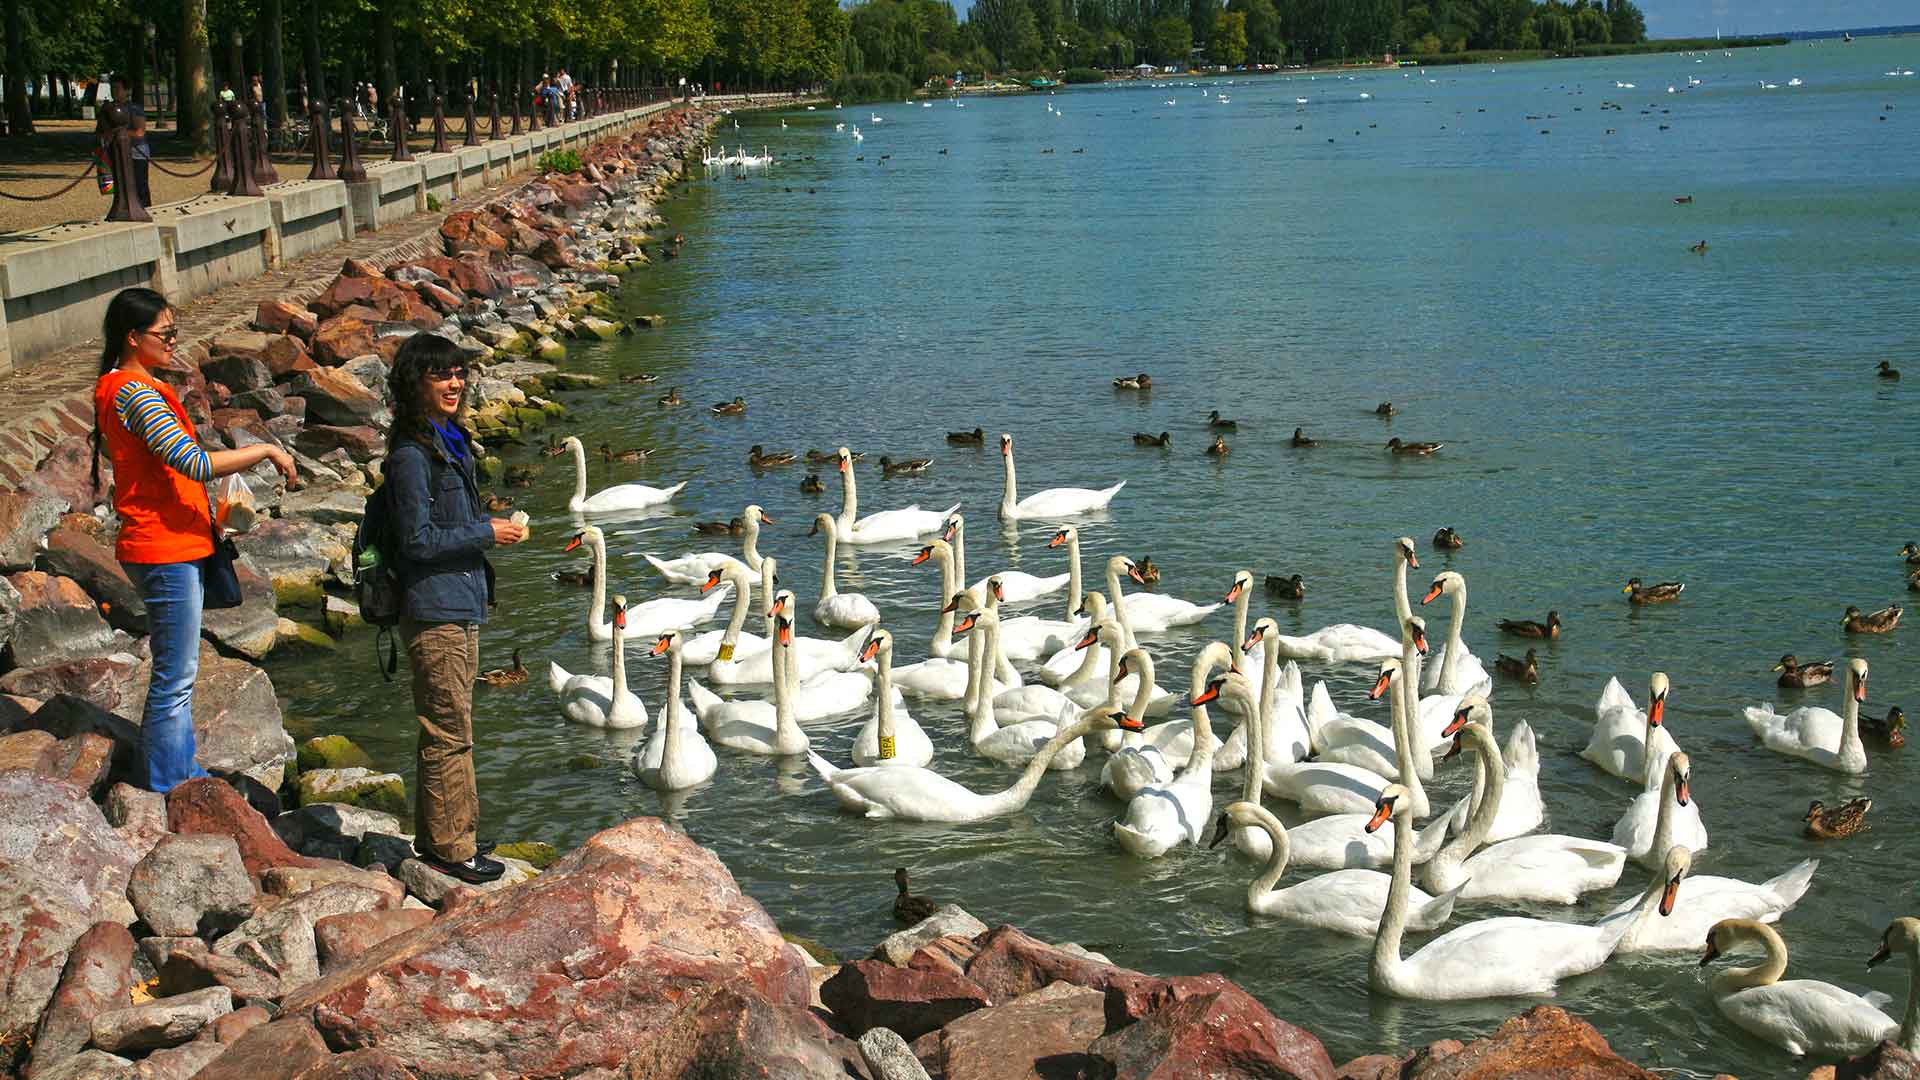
{"x":350,"y":168}
{"x":242,"y":135}
{"x":493,"y":106}
{"x":440,"y":125}
{"x":126,"y":200}
{"x":317,"y":138}
{"x":222,"y":163}
{"x":263,"y":170}
{"x":473,"y":125}
{"x":400,"y":129}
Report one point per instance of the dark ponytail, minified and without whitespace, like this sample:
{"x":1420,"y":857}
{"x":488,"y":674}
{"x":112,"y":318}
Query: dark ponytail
{"x":129,"y":312}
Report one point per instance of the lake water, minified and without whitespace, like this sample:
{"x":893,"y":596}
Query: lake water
{"x":1489,"y":248}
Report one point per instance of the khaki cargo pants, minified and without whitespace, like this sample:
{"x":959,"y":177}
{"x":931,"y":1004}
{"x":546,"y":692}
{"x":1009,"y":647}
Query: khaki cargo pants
{"x":445,"y":658}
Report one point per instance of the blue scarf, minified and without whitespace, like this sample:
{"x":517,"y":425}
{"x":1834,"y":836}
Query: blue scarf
{"x":454,"y":439}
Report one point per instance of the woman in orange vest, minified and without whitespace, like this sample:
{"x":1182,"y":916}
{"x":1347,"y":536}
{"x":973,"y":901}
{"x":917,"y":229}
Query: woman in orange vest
{"x":166,"y":523}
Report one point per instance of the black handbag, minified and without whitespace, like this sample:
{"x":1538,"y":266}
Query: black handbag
{"x":219,"y":583}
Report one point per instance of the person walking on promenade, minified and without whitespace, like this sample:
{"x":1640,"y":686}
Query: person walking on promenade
{"x":439,"y":537}
{"x":166,"y":523}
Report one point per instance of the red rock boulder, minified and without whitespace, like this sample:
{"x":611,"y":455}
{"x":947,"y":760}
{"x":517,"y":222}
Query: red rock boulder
{"x":281,"y":317}
{"x":342,"y":338}
{"x":873,"y":993}
{"x":212,"y":806}
{"x":1221,"y":1032}
{"x":1545,"y":1041}
{"x":97,"y":979}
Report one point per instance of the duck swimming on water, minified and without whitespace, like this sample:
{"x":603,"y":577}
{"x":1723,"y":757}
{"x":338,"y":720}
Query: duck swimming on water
{"x":1652,"y":594}
{"x":1219,"y":447}
{"x":1418,"y":449}
{"x":1162,"y":440}
{"x":1287,"y":588}
{"x":1142,"y":381}
{"x":1794,"y":673}
{"x":907,"y":907}
{"x":736,"y":407}
{"x":909,"y":467}
{"x":758,"y":459}
{"x":1887,"y":371}
{"x":1889,"y":730}
{"x":1528,"y":628}
{"x":813,"y":485}
{"x":1300,"y":438}
{"x":1385,"y":408}
{"x":1448,"y":540}
{"x":1219,"y":423}
{"x":976,"y":437}
{"x":1524,"y":668}
{"x":1844,"y":820}
{"x":1878,"y":622}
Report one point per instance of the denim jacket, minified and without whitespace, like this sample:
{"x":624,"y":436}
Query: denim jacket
{"x":441,"y":532}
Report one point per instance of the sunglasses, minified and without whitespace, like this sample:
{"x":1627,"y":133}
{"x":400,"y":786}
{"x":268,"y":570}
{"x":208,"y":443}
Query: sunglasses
{"x":444,"y":374}
{"x":167,"y":336}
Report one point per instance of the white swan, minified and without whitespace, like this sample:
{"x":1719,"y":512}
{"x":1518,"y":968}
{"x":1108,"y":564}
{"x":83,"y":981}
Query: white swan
{"x":1689,"y":905}
{"x":1342,"y":738}
{"x":1334,"y":788}
{"x":595,"y":700}
{"x":1339,"y":643}
{"x":1549,"y":868}
{"x":890,"y":736}
{"x":887,"y":526}
{"x":1026,"y":637}
{"x":835,"y":608}
{"x":1490,"y":958}
{"x":1344,"y":901}
{"x":1815,"y":733}
{"x":614,"y":499}
{"x":1622,"y":733}
{"x":1904,"y":934}
{"x":1662,"y":815}
{"x":650,"y":619}
{"x":704,"y":648}
{"x":1801,"y":1016}
{"x":1160,"y":817}
{"x":1015,"y":743}
{"x":940,"y":551}
{"x":1137,"y":765}
{"x":697,"y":569}
{"x":1016,"y":586}
{"x":1404,"y":556}
{"x":1455,"y":670}
{"x":744,"y":725}
{"x":944,"y":678}
{"x":1051,"y":503}
{"x":676,"y":757}
{"x":1145,"y":612}
{"x":1283,"y":716}
{"x":924,"y":795}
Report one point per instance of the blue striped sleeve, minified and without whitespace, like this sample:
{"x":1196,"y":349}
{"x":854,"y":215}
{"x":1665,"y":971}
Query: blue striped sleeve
{"x":151,"y":420}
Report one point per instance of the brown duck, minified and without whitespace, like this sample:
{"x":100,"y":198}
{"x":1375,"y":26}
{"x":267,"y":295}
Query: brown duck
{"x":976,"y":437}
{"x":907,"y":907}
{"x":1887,"y":371}
{"x":1421,"y":449}
{"x":759,"y":459}
{"x":736,"y":407}
{"x":1878,"y":622}
{"x":1889,"y":730}
{"x":813,"y":485}
{"x":829,"y":457}
{"x":1448,"y":540}
{"x":1163,"y":440}
{"x":671,"y":398}
{"x":506,"y":676}
{"x":581,"y":578}
{"x":639,"y":377}
{"x":1911,"y":553}
{"x":909,"y":467}
{"x":1638,"y":593}
{"x":521,"y":475}
{"x":1142,"y":381}
{"x":1844,"y":820}
{"x":1385,"y":408}
{"x":497,"y":503}
{"x":1528,"y":628}
{"x":1794,"y":673}
{"x":1287,"y":588}
{"x":1149,"y":573}
{"x":554,"y":447}
{"x":1300,"y":439}
{"x":1220,"y":423}
{"x":1913,"y":581}
{"x":609,"y":455}
{"x":736,"y":527}
{"x":1524,"y":668}
{"x":1219,"y":447}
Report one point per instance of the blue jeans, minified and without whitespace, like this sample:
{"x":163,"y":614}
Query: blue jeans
{"x":172,"y":593}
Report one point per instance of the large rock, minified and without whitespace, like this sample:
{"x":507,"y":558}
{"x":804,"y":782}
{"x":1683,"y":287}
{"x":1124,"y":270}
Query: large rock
{"x":297,"y":556}
{"x":342,"y":338}
{"x":361,"y":443}
{"x":1884,"y":1062}
{"x":464,"y":230}
{"x":342,"y":939}
{"x":163,"y":1022}
{"x":281,"y":1050}
{"x":385,"y":792}
{"x":186,"y":965}
{"x":212,"y":807}
{"x":612,"y":942}
{"x":1221,"y":1033}
{"x":328,"y":505}
{"x":57,"y":622}
{"x":234,"y":359}
{"x":371,"y":1064}
{"x":872,"y":993}
{"x":25,"y":516}
{"x":26,"y":750}
{"x":97,"y":979}
{"x":279,"y":941}
{"x":53,"y":831}
{"x":236,"y":718}
{"x":252,"y":628}
{"x":434,"y":887}
{"x":181,"y":1062}
{"x":75,"y":550}
{"x":281,"y":317}
{"x":66,"y":474}
{"x":1042,"y":1035}
{"x":1544,"y":1041}
{"x":350,"y":290}
{"x":138,"y":815}
{"x":888,"y":1056}
{"x":334,"y":396}
{"x":947,"y":920}
{"x":296,"y":881}
{"x":89,"y":1065}
{"x":332,"y":830}
{"x":115,"y":683}
{"x":192,"y":884}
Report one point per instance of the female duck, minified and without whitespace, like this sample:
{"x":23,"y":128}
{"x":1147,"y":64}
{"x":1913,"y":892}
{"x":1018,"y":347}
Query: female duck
{"x":1795,"y":674}
{"x":1878,"y":622}
{"x":1549,"y":630}
{"x":1638,"y":593}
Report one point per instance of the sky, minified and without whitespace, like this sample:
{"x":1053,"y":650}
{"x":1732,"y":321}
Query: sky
{"x":1699,"y":18}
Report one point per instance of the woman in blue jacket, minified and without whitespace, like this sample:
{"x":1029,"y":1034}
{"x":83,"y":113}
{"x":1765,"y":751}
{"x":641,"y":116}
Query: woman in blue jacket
{"x":441,"y":537}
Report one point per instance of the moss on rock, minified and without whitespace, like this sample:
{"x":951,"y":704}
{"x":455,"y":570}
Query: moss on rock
{"x":332,"y":752}
{"x":356,"y":787}
{"x":534,"y":853}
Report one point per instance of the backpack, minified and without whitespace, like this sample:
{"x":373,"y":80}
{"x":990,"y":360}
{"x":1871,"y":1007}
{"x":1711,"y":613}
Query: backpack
{"x":376,"y":581}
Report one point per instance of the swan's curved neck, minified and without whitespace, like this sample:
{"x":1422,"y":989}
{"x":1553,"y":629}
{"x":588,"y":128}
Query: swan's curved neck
{"x":1408,"y":690}
{"x":597,"y":604}
{"x":1385,"y":963}
{"x":670,"y":737}
{"x":1765,"y":973}
{"x":980,"y":678}
{"x":1142,"y":671}
{"x":1201,"y":762}
{"x":1402,"y":607}
{"x":849,"y":498}
{"x":619,"y":667}
{"x":942,"y":644}
{"x":883,"y":688}
{"x":1400,"y":708}
{"x":1075,"y":588}
{"x":828,"y":587}
{"x":1443,"y":870}
{"x":786,"y":730}
{"x":1850,"y":727}
{"x":579,"y":471}
{"x":1010,"y":494}
{"x":1647,"y":909}
{"x":742,"y":599}
{"x":1119,"y":604}
{"x":1454,"y":647}
{"x":1910,"y":1023}
{"x":1015,"y":797}
{"x":1276,"y":862}
{"x":750,"y":543}
{"x":959,"y":545}
{"x":1238,"y":644}
{"x":1663,"y":820}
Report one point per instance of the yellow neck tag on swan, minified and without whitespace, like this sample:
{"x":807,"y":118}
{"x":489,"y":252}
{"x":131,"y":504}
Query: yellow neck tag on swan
{"x":726,"y":652}
{"x":886,"y":747}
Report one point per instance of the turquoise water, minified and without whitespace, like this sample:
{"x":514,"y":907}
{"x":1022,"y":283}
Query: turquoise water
{"x":1613,"y":405}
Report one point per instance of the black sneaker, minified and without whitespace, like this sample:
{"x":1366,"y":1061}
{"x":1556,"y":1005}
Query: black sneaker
{"x":475,"y":871}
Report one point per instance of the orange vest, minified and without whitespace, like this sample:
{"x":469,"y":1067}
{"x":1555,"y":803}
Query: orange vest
{"x":164,"y":516}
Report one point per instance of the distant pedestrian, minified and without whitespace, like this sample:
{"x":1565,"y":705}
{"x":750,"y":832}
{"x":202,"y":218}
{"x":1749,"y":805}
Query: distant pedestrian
{"x":166,"y":522}
{"x":136,"y":135}
{"x":439,"y":536}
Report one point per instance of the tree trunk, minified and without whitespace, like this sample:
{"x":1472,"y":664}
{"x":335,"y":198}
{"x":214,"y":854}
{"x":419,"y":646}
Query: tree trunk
{"x":237,"y":69}
{"x":19,"y":111}
{"x":386,"y":72}
{"x":273,"y":65}
{"x":134,"y":63}
{"x":196,"y":97}
{"x":310,"y":46}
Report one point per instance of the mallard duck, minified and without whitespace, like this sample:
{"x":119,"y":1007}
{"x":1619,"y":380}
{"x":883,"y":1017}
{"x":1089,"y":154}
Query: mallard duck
{"x":1525,"y":668}
{"x":1220,"y":423}
{"x":1448,"y":540}
{"x":1219,"y":447}
{"x":1528,"y":628}
{"x":1421,"y":449}
{"x":1163,"y":440}
{"x":609,"y":455}
{"x":1300,"y":438}
{"x":506,"y":676}
{"x":497,"y":503}
{"x":1794,"y":673}
{"x":1889,"y":730}
{"x":554,"y":447}
{"x":639,"y":377}
{"x":759,"y":459}
{"x":976,"y":437}
{"x":1887,"y":371}
{"x":521,"y":475}
{"x":909,"y":467}
{"x":1149,"y":573}
{"x":1287,"y":588}
{"x":578,"y":578}
{"x":1652,"y":594}
{"x":1913,"y":581}
{"x":907,"y":907}
{"x":813,"y":485}
{"x":1385,"y":408}
{"x":1699,"y":248}
{"x":1844,"y":820}
{"x":736,"y":407}
{"x":1142,"y":381}
{"x":1911,"y":553}
{"x":736,"y":527}
{"x":1878,"y":622}
{"x":671,"y":398}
